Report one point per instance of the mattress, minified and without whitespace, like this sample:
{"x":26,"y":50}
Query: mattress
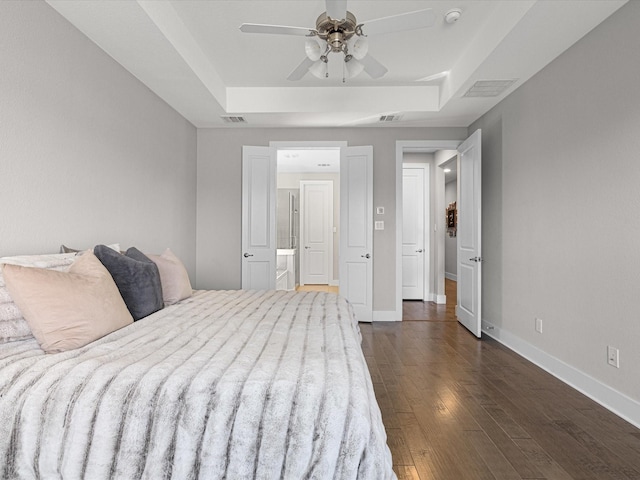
{"x":225,"y":384}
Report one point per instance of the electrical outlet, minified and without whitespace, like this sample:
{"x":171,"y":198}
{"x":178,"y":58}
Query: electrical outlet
{"x":613,"y":356}
{"x":538,"y":325}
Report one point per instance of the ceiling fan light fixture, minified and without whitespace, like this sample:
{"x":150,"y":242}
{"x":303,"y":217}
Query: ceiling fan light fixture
{"x":358,"y":47}
{"x":319,"y":69}
{"x":353,"y":67}
{"x":313,"y":49}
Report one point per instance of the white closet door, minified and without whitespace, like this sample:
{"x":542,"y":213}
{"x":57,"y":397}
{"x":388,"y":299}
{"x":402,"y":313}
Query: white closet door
{"x":413,"y":232}
{"x":356,"y":229}
{"x":258,"y":218}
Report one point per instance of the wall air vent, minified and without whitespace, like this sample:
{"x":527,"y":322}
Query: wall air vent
{"x":390,"y":118}
{"x":233,"y":119}
{"x":489,"y":88}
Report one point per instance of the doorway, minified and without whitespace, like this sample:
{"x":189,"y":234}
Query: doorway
{"x":450,"y":170}
{"x":429,"y":152}
{"x":307,"y":228}
{"x":469,"y":272}
{"x":259,"y":188}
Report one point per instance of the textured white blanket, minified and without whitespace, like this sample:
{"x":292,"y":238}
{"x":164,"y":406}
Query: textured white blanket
{"x":225,"y":384}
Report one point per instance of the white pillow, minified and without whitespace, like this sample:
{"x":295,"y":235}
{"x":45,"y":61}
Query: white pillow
{"x":173,"y":277}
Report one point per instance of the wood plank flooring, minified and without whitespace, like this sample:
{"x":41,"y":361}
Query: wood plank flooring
{"x":316,"y":288}
{"x":456,"y":408}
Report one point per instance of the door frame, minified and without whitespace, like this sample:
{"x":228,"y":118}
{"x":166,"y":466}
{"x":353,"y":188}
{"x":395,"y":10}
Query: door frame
{"x":436,"y":177}
{"x":329,"y":232}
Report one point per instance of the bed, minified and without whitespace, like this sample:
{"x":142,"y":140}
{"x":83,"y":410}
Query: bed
{"x":223,"y":384}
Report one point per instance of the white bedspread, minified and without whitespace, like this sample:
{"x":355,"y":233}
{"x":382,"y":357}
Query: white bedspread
{"x":225,"y":384}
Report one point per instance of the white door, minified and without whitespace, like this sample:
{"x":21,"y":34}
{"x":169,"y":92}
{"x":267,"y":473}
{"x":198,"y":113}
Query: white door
{"x":258,"y":218}
{"x":356,"y":232}
{"x":316,"y":207}
{"x":413,"y":234}
{"x":469,"y":206}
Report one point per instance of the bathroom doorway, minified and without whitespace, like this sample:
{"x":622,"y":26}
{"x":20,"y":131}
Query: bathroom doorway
{"x":308,"y":251}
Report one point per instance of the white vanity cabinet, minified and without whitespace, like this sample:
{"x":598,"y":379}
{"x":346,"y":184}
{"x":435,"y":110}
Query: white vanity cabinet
{"x":286,"y":269}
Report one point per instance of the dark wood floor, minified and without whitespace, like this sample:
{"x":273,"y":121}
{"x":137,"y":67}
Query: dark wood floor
{"x":456,"y":408}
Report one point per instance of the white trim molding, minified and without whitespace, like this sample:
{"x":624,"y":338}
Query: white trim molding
{"x":611,"y":399}
{"x":451,"y":276}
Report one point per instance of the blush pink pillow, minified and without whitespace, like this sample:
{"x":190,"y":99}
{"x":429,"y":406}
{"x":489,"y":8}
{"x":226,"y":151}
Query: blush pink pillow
{"x":67,"y":310}
{"x":173,"y":276}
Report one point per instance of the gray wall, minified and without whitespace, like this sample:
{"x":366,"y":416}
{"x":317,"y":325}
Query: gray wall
{"x":87,"y":153}
{"x":220,"y":196}
{"x":561,"y":172}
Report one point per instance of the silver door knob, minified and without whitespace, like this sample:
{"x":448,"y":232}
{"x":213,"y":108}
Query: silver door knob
{"x":419,"y":250}
{"x":475,"y":259}
{"x":307,"y":248}
{"x":246,"y":255}
{"x":366,"y":256}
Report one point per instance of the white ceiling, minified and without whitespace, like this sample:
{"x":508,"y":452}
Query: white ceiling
{"x":192,"y":54}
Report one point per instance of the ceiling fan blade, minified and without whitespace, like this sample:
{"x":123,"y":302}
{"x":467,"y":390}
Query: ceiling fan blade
{"x":373,"y":67}
{"x":400,"y":23}
{"x":336,"y":9}
{"x":300,"y":70}
{"x":275,"y":29}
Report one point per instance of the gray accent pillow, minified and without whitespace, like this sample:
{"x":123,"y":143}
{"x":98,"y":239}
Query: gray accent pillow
{"x":137,"y":278}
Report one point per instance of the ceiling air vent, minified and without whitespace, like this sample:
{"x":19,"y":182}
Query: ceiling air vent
{"x":389,"y":118}
{"x":233,"y":119}
{"x":489,"y":88}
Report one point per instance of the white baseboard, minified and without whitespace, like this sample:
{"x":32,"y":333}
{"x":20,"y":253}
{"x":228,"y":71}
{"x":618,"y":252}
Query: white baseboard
{"x":385,"y":316}
{"x":451,"y":276}
{"x":432,"y":297}
{"x":334,"y":283}
{"x":617,"y":402}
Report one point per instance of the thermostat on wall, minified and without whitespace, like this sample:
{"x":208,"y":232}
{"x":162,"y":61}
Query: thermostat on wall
{"x":380,"y":210}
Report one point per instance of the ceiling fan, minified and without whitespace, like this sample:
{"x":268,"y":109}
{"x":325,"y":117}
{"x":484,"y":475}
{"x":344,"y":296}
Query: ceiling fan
{"x":338,"y":31}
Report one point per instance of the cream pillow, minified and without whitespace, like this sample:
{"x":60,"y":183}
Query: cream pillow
{"x":66,"y":310}
{"x":173,"y":276}
{"x":13,"y":326}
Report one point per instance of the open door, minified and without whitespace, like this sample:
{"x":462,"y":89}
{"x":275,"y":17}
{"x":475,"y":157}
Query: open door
{"x":259,"y":166}
{"x":356,"y":232}
{"x":469,"y":305}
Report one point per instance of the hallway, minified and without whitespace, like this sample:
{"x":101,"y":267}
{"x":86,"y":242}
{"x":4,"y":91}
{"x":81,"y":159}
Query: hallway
{"x":430,"y":311}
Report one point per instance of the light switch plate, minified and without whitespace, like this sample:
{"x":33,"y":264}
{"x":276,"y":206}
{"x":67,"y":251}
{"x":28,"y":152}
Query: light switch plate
{"x":379,"y":225}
